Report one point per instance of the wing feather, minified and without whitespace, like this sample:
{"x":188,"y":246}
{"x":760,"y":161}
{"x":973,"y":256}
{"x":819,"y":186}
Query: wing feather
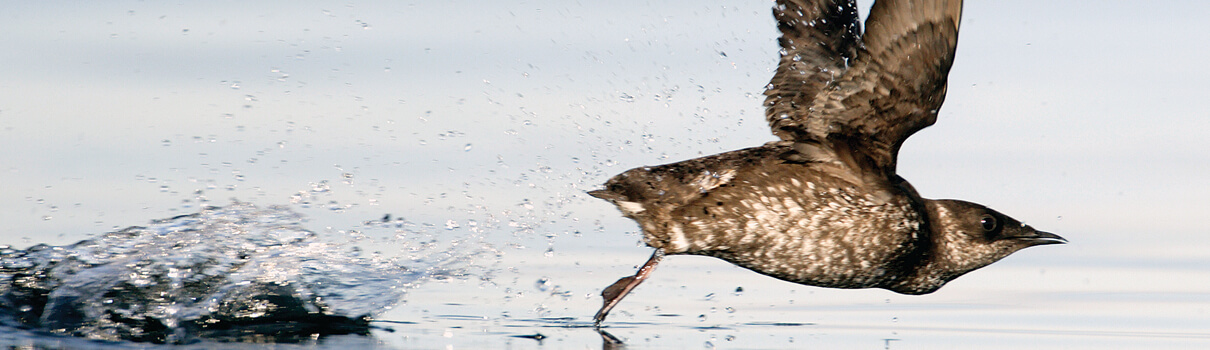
{"x":893,"y":85}
{"x":818,"y":40}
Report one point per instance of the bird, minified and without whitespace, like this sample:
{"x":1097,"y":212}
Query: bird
{"x":823,"y":205}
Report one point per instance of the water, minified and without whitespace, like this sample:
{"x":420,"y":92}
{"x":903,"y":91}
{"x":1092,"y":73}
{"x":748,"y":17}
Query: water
{"x":1028,"y":302}
{"x":236,"y":272}
{"x":482,"y":137}
{"x":254,"y":274}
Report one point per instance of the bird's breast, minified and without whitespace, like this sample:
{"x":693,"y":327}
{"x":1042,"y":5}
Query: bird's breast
{"x":803,"y":227}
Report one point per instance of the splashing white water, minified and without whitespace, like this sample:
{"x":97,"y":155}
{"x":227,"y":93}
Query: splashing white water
{"x":223,"y":271}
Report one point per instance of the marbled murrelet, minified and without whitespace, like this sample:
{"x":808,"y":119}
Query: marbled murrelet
{"x":824,"y":206}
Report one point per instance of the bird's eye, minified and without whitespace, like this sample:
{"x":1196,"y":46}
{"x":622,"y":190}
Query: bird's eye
{"x":989,"y":223}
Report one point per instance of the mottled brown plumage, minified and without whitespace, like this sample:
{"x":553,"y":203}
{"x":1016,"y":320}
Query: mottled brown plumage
{"x":824,"y":206}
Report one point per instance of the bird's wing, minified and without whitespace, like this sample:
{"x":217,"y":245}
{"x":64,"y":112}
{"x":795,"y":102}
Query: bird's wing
{"x":894,"y":83}
{"x":819,"y":38}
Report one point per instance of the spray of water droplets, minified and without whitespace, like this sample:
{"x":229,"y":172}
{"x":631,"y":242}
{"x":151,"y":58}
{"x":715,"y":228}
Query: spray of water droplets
{"x":223,"y":272}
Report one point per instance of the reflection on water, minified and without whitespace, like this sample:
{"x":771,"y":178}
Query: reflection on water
{"x":1028,"y":302}
{"x":235,"y":272}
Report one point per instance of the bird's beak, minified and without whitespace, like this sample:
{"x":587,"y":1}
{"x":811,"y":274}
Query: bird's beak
{"x":1042,"y":238}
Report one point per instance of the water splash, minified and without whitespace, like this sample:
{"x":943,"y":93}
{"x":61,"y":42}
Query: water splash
{"x":230,"y":272}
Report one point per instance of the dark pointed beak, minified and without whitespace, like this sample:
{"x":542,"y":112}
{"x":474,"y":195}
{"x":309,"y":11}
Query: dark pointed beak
{"x":1042,"y":238}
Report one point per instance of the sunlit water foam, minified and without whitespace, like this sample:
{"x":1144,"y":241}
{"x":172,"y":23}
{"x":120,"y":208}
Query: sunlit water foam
{"x":235,"y":272}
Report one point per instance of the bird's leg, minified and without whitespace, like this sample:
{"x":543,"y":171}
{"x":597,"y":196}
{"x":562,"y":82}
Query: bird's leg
{"x":618,"y":290}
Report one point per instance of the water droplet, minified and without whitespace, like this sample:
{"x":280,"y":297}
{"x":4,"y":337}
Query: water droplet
{"x":709,"y":296}
{"x":320,"y":187}
{"x":542,"y":284}
{"x":701,"y":318}
{"x":467,"y":148}
{"x":451,"y":224}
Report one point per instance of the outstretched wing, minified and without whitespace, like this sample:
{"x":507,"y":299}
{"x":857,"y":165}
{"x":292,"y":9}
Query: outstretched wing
{"x":818,"y":40}
{"x":894,"y":83}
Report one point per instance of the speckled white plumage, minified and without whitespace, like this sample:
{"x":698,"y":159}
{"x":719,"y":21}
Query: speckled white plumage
{"x":802,"y":223}
{"x":793,"y":221}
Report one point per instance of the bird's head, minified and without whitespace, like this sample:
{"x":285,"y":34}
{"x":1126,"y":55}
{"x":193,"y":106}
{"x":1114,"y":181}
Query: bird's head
{"x":967,"y":236}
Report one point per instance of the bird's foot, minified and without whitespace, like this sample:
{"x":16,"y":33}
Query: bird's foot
{"x":618,"y":290}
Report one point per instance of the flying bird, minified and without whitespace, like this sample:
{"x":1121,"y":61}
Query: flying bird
{"x":823,"y":206}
